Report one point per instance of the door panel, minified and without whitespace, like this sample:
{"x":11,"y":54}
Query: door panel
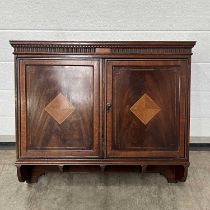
{"x":148,"y":101}
{"x":60,"y":108}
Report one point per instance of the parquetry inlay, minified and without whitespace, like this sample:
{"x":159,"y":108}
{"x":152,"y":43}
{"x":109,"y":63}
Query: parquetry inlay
{"x":59,"y":108}
{"x":145,"y":109}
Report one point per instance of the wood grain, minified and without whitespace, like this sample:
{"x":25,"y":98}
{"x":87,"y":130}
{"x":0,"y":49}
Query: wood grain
{"x":59,"y":108}
{"x":145,"y":109}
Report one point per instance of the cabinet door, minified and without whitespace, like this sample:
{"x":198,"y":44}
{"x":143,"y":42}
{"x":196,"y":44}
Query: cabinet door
{"x":59,"y":108}
{"x":146,"y":108}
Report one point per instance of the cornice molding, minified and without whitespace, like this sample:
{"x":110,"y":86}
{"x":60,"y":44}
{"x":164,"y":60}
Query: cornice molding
{"x":128,"y":47}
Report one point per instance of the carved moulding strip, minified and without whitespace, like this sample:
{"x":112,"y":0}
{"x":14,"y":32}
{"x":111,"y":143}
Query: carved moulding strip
{"x":54,"y":49}
{"x":138,"y":47}
{"x":150,"y":50}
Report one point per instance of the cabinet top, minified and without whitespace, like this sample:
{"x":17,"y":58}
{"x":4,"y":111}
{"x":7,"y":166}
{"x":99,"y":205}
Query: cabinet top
{"x":102,"y":47}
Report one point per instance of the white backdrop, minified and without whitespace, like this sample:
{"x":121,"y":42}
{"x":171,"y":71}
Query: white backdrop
{"x":109,"y":20}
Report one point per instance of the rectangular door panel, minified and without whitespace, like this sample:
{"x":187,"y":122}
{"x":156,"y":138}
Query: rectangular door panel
{"x":148,"y":102}
{"x":60,"y":108}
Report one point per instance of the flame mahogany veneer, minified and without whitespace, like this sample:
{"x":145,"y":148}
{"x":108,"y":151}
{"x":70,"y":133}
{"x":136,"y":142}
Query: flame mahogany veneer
{"x":102,"y":106}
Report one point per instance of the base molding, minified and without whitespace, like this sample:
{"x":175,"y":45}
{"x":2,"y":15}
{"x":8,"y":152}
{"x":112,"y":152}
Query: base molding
{"x":31,"y":173}
{"x":199,"y":146}
{"x":7,"y":145}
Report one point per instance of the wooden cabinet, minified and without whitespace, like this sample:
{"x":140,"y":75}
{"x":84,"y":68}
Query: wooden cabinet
{"x":96,"y":105}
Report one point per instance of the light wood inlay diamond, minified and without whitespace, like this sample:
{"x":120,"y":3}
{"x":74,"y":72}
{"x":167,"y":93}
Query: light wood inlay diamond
{"x":145,"y":109}
{"x":59,"y":108}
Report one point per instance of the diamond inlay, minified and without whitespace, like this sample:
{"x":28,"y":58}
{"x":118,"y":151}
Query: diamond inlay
{"x":145,"y":109}
{"x":59,"y":108}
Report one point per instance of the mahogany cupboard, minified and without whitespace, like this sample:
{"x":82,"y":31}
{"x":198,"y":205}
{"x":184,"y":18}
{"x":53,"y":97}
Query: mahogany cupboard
{"x":102,"y":105}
